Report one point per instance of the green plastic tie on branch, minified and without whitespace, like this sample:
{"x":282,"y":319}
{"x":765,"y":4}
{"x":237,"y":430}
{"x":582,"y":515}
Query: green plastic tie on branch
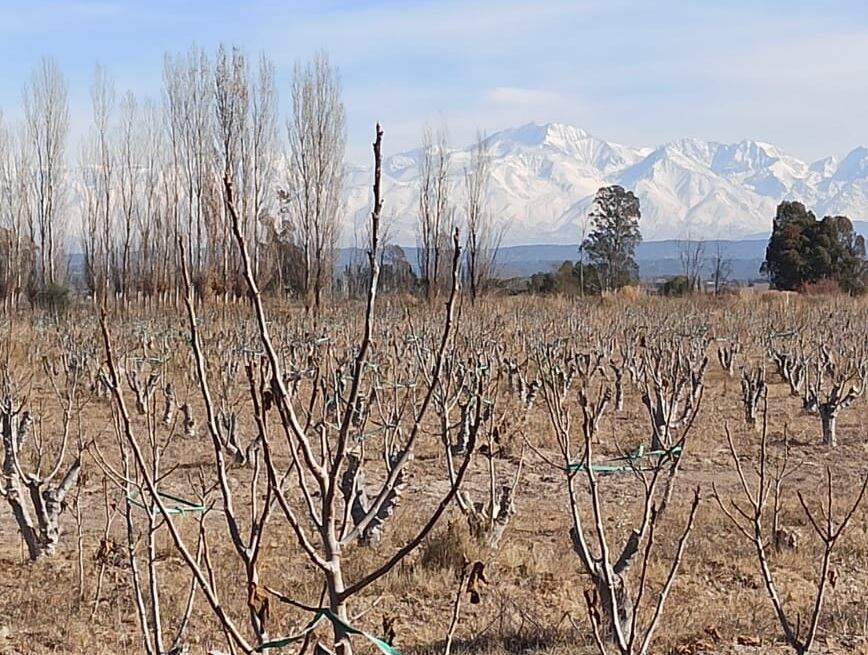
{"x":183,"y":507}
{"x":633,"y":456}
{"x":324,"y":612}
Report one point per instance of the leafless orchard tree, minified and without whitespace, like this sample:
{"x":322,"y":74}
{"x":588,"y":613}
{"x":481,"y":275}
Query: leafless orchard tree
{"x":316,"y":132}
{"x":728,"y":351}
{"x":34,"y":484}
{"x":471,"y":408}
{"x":317,"y":417}
{"x":834,"y":381}
{"x":753,"y":389}
{"x":826,"y":365}
{"x":751,"y":517}
{"x":145,"y":366}
{"x":613,"y":606}
{"x":335,"y":470}
{"x":671,"y":382}
{"x":46,"y":111}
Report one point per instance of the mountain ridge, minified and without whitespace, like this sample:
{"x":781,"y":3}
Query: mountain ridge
{"x":544,"y":176}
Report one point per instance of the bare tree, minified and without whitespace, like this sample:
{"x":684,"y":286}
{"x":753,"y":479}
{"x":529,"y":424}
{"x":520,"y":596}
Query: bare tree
{"x":246,"y":148}
{"x":19,"y":206}
{"x":189,"y":95}
{"x":753,"y":389}
{"x":264,"y":150}
{"x":691,"y":253}
{"x":750,"y":519}
{"x":142,"y":517}
{"x":336,"y":470}
{"x":435,"y":211}
{"x":154,"y":229}
{"x":834,"y":382}
{"x":614,"y":606}
{"x":98,"y":160}
{"x":483,"y":234}
{"x":45,"y":488}
{"x":7,"y":238}
{"x":92,"y":237}
{"x":16,"y":249}
{"x":46,"y":111}
{"x":721,"y":269}
{"x":232,"y":102}
{"x":313,"y":197}
{"x":129,"y":178}
{"x":671,"y":382}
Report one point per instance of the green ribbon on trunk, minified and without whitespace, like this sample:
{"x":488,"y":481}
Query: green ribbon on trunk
{"x":321,"y":613}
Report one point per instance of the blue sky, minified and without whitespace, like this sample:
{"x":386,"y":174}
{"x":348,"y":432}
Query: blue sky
{"x":793,"y":73}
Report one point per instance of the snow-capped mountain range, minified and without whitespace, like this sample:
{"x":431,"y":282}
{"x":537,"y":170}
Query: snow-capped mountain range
{"x":543,"y":179}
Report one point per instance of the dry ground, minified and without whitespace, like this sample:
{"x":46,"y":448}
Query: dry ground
{"x":533,"y":602}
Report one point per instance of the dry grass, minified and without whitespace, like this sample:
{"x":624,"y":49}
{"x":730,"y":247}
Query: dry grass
{"x":533,"y":601}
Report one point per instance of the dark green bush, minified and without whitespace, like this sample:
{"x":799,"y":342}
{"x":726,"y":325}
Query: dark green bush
{"x":51,"y":297}
{"x":676,"y":286}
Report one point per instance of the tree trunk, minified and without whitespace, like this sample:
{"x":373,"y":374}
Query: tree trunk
{"x":624,"y":617}
{"x":828,"y":419}
{"x":339,"y":607}
{"x":22,"y":518}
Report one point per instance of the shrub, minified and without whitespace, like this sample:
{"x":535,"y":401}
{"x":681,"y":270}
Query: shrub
{"x":676,"y":286}
{"x":52,"y":297}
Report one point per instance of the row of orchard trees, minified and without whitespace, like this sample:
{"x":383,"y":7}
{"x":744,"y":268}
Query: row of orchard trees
{"x":147,"y":181}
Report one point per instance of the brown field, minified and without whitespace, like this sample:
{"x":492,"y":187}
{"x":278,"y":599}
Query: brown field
{"x":81,"y":599}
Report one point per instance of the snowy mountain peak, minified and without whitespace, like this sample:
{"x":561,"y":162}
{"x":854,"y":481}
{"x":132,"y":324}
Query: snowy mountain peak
{"x":555,"y":135}
{"x":544,"y":177}
{"x":853,"y":166}
{"x":825,"y":166}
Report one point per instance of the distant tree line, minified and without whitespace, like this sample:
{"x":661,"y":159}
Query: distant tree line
{"x":803,"y":254}
{"x":143,"y":198}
